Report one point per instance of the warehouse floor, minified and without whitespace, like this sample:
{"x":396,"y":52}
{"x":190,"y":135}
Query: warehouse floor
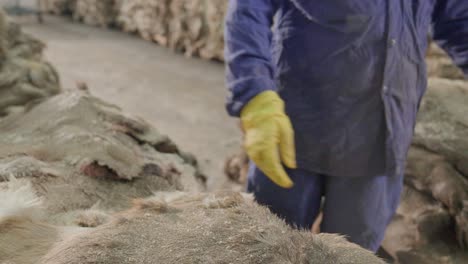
{"x":182,"y":97}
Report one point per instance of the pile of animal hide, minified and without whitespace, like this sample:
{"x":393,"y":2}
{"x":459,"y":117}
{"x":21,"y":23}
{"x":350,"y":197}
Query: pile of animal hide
{"x":431,"y":225}
{"x":96,"y":13}
{"x":25,"y":77}
{"x":192,"y":27}
{"x":440,"y":65}
{"x":170,"y":227}
{"x":81,"y":153}
{"x":149,"y":19}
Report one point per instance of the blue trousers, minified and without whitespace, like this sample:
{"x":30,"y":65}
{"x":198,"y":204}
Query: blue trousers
{"x":359,"y":208}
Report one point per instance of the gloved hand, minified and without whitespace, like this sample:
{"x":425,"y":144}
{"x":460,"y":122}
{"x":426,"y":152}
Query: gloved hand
{"x":269,"y":136}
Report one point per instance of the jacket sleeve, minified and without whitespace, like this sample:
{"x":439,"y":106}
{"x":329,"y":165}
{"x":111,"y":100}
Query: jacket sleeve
{"x":450,"y":30}
{"x":249,"y":69}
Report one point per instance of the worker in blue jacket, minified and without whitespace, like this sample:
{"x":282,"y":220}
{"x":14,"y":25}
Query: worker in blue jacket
{"x":327,"y":92}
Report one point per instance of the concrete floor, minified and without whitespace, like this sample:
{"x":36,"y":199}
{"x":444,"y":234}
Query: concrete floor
{"x":182,"y":97}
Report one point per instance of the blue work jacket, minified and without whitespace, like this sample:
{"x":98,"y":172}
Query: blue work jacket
{"x":351,"y":72}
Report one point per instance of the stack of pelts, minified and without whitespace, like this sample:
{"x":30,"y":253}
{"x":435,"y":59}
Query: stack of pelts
{"x":25,"y":78}
{"x":97,"y":13}
{"x":194,"y":27}
{"x":148,"y":18}
{"x":440,"y":65}
{"x":78,"y":147}
{"x":431,"y":225}
{"x":186,"y":26}
{"x":170,"y":227}
{"x":214,"y":17}
{"x":58,"y":7}
{"x":22,"y":45}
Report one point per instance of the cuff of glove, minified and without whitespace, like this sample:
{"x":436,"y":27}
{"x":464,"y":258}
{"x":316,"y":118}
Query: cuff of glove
{"x":244,"y":90}
{"x":266,"y":98}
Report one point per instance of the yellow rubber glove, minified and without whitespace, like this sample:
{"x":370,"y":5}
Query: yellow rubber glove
{"x":269,"y":137}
